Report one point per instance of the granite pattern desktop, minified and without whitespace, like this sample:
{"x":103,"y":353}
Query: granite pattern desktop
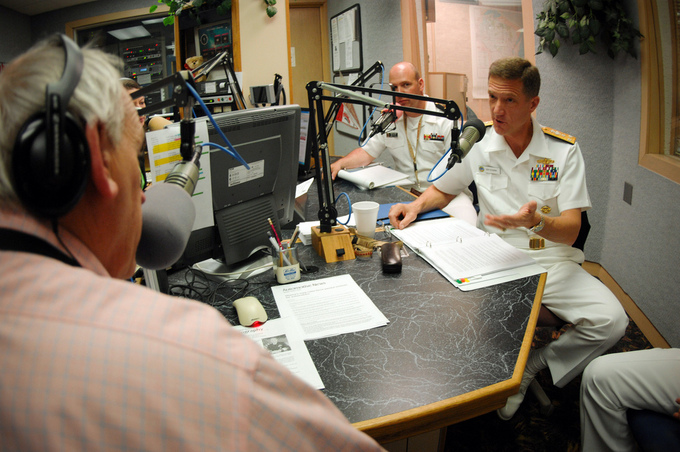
{"x":445,"y":356}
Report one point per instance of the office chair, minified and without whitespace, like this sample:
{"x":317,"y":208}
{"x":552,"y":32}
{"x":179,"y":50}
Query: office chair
{"x":546,"y":319}
{"x":654,"y":431}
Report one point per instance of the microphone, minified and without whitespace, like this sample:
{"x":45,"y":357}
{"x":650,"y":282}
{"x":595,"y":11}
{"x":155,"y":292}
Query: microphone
{"x":168,"y":214}
{"x":473,"y":131}
{"x":385,"y":120}
{"x":167,"y":218}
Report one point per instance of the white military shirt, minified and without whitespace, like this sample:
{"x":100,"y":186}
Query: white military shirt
{"x":550,"y":171}
{"x":429,"y":146}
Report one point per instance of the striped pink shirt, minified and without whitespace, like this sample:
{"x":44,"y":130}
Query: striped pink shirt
{"x":88,"y":362}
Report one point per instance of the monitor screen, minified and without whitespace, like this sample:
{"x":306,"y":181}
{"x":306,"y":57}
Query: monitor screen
{"x":268,"y":139}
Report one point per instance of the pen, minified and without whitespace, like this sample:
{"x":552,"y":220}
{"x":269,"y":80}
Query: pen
{"x":282,"y":255}
{"x":294,"y":237}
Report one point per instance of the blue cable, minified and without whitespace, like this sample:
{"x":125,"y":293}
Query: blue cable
{"x":350,"y":207}
{"x":429,"y":175}
{"x":231,"y":151}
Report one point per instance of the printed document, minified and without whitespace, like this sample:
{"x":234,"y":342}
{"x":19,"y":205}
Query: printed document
{"x":281,"y":337}
{"x":465,"y":255}
{"x":163,"y":146}
{"x":328,"y":307}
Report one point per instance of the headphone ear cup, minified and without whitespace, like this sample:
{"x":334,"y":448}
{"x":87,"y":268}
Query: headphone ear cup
{"x":50,"y":189}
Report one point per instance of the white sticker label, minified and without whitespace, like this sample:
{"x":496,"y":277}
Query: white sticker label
{"x":240,"y":174}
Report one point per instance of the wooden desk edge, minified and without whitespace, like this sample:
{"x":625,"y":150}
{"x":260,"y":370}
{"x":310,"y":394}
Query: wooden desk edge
{"x":437,"y":415}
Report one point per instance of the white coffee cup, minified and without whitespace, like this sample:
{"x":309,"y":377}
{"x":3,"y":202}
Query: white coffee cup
{"x":365,"y":216}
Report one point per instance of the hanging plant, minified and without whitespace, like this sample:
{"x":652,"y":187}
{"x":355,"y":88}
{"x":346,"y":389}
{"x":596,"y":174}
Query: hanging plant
{"x":192,"y":7}
{"x":582,"y":22}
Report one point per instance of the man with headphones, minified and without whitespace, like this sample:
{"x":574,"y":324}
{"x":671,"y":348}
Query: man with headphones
{"x":90,"y":360}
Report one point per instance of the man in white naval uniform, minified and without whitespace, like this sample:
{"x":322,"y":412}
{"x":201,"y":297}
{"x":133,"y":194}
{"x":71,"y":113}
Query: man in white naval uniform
{"x":416,"y":142}
{"x":532,"y":189}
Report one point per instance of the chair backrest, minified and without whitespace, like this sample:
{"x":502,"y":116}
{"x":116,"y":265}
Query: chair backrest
{"x":583,"y":232}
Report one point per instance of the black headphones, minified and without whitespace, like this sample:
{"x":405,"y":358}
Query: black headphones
{"x":51,"y":158}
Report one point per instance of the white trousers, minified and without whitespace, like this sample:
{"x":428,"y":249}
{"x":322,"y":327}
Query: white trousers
{"x":576,"y":297}
{"x":644,"y":379}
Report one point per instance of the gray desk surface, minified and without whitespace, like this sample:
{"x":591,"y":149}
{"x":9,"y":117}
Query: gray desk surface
{"x":445,"y":356}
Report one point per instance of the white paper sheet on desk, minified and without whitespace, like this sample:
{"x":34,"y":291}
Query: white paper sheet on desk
{"x":374,"y":176}
{"x":328,"y":307}
{"x":281,"y":337}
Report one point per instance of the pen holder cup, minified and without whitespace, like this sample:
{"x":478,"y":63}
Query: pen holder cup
{"x":286,"y":265}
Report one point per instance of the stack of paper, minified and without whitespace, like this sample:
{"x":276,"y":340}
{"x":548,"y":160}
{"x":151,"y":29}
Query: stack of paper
{"x":468,"y":257}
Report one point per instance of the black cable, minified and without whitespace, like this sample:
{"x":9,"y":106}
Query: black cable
{"x":55,"y":229}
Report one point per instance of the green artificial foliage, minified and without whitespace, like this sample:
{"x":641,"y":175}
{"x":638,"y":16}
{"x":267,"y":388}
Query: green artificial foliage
{"x":222,"y":7}
{"x":582,"y":22}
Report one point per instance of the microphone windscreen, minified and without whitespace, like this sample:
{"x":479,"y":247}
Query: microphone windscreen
{"x":478,"y":125}
{"x":167,"y":218}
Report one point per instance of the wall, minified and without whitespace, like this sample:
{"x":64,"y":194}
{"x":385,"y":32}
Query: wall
{"x":598,"y":100}
{"x":381,"y":33}
{"x":15,"y":34}
{"x":264,"y":44}
{"x":641,"y":241}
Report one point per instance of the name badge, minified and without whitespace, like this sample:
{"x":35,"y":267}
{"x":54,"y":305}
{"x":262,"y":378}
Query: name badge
{"x":489,"y":170}
{"x":392,"y":134}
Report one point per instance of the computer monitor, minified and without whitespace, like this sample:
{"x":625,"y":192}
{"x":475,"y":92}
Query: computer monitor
{"x":268,"y":139}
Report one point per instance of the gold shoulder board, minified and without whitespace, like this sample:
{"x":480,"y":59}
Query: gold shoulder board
{"x":488,"y":123}
{"x":561,"y":135}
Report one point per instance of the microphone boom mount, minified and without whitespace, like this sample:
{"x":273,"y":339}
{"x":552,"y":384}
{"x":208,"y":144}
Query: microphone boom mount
{"x":354,"y":94}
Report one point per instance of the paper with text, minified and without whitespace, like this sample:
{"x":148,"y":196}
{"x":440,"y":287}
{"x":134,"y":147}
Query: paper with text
{"x":328,"y":307}
{"x":464,"y":254}
{"x":163,"y":146}
{"x":281,"y":337}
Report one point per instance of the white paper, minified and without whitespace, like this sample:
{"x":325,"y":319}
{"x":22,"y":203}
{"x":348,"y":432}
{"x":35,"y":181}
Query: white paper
{"x":335,"y":37}
{"x":465,"y":255}
{"x":374,"y":177}
{"x":281,"y":337}
{"x":163,"y":146}
{"x":303,"y":187}
{"x":328,"y":307}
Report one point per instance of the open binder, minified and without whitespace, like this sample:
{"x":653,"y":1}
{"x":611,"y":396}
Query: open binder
{"x":374,"y":176}
{"x":467,"y":256}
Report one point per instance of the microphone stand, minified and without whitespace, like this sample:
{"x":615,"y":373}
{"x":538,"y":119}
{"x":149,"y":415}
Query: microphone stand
{"x":181,"y":99}
{"x":353,"y":94}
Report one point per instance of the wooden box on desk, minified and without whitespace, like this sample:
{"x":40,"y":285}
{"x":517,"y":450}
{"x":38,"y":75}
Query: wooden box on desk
{"x":327,"y":244}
